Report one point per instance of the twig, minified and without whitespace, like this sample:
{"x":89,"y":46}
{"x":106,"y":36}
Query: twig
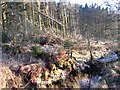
{"x":26,"y":84}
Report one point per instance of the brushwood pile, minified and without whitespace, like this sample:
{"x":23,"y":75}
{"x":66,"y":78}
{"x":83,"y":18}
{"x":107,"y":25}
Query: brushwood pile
{"x":56,"y":64}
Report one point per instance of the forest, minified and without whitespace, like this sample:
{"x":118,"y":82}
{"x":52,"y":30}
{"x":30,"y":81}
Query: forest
{"x":49,"y":44}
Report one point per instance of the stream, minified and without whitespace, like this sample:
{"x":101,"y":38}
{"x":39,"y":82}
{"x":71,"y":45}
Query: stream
{"x":112,"y":57}
{"x":93,"y":82}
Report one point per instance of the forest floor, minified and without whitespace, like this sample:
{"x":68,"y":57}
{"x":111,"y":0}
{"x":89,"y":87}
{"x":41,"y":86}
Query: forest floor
{"x":25,"y":71}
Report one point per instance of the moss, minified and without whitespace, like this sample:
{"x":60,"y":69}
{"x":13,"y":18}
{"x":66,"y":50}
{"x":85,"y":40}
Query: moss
{"x":36,"y":51}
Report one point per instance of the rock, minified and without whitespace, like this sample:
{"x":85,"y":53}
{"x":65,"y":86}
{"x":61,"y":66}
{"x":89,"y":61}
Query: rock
{"x":48,"y":49}
{"x":84,"y":83}
{"x":15,"y":68}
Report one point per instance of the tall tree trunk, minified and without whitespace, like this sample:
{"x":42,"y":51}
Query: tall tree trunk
{"x":39,"y":16}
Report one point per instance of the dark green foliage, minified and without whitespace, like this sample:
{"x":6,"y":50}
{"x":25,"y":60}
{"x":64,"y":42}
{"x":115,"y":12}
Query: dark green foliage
{"x":36,"y":51}
{"x":67,"y":44}
{"x":5,"y":37}
{"x":43,"y":40}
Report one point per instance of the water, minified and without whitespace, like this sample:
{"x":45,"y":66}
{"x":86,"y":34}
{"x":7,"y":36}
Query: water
{"x":112,"y":57}
{"x":94,"y":80}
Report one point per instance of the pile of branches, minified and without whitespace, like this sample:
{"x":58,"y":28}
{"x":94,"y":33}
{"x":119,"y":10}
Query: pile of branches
{"x":52,"y":73}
